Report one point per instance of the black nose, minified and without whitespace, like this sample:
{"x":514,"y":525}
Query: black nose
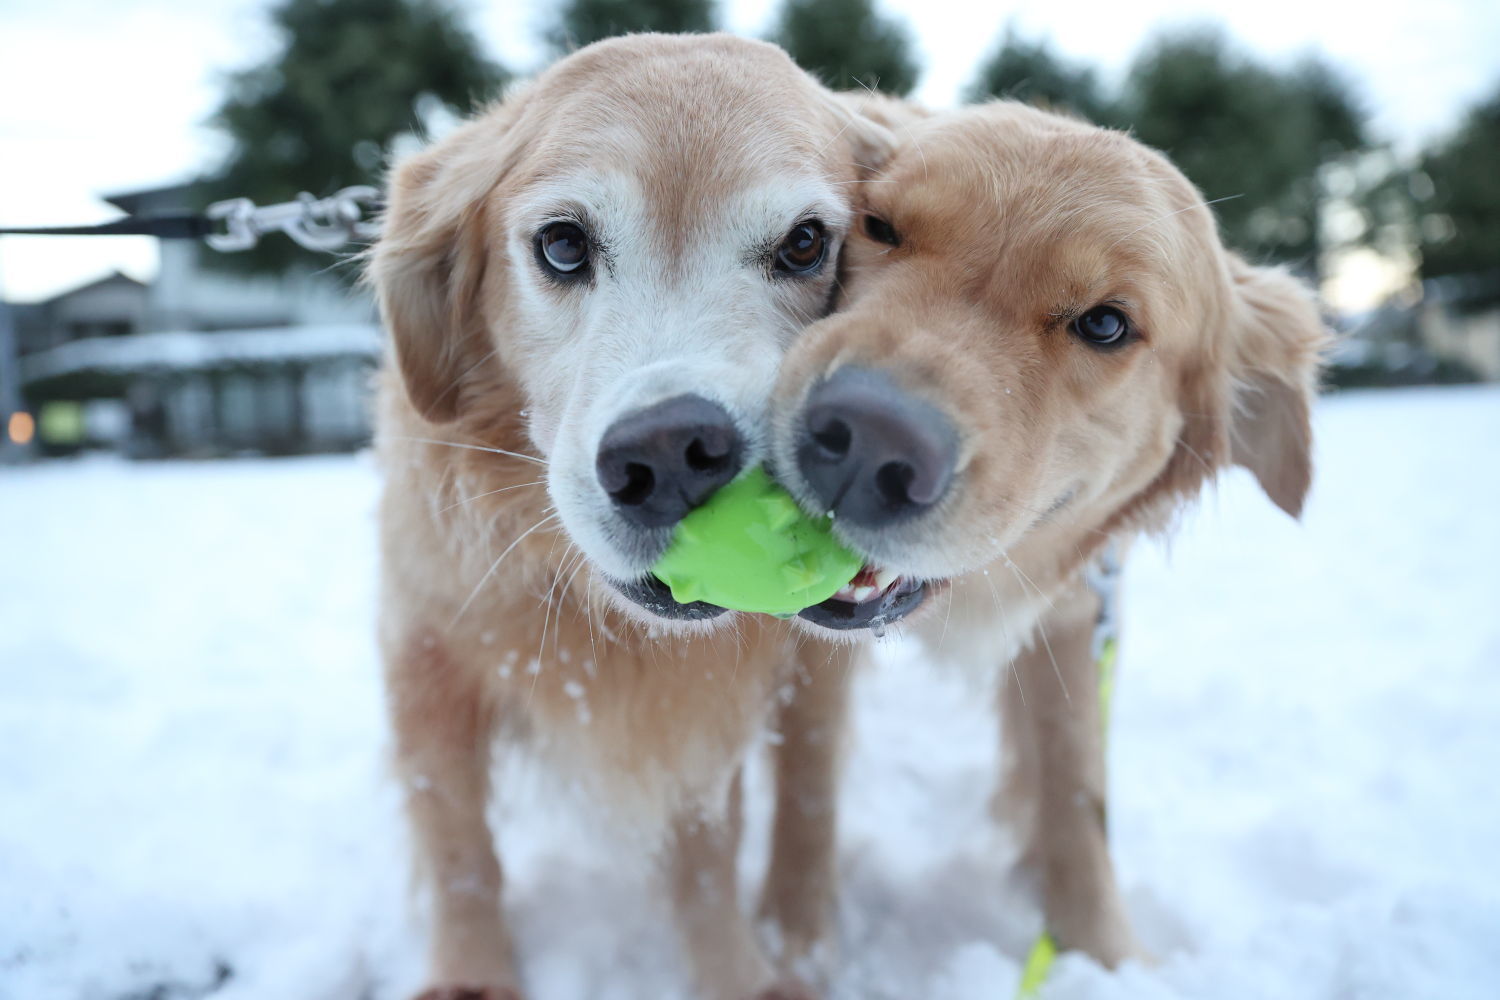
{"x":659,"y":463}
{"x":873,"y":453}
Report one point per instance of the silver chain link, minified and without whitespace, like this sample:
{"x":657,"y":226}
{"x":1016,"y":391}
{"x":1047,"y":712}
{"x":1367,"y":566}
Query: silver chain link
{"x":324,"y":224}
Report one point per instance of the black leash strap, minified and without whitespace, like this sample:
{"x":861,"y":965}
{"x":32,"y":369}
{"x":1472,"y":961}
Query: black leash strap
{"x":167,"y":227}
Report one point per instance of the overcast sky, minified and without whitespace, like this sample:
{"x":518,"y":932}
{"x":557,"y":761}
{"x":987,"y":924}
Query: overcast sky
{"x":99,"y":96}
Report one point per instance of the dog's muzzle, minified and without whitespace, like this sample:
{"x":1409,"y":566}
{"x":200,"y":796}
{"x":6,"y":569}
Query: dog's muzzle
{"x":656,"y":597}
{"x":872,"y":600}
{"x":867,"y":602}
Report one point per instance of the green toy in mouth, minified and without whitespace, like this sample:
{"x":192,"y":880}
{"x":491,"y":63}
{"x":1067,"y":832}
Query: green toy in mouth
{"x":750,"y":548}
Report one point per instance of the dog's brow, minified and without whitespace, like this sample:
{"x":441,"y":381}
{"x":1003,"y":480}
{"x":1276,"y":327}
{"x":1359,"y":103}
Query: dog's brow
{"x":590,"y":193}
{"x":1162,"y":218}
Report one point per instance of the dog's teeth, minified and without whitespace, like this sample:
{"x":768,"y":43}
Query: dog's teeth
{"x":884,"y":578}
{"x":863,"y":594}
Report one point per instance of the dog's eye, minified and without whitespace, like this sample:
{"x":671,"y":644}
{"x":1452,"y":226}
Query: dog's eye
{"x":563,"y":248}
{"x":803,"y":248}
{"x":881,"y":231}
{"x":1102,"y":325}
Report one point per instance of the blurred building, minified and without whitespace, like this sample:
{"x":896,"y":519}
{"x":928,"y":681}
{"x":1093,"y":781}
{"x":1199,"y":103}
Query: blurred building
{"x":199,"y":362}
{"x":1459,"y":319}
{"x":1444,"y":331}
{"x":112,"y":306}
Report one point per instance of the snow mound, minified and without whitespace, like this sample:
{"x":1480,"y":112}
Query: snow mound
{"x":196,"y":803}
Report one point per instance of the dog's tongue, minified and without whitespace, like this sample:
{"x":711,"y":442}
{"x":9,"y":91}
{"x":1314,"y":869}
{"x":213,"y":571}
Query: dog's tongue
{"x":869,"y":583}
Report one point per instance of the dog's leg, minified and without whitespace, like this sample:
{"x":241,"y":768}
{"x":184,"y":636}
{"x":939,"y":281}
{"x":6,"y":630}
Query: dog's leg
{"x":1055,"y":783}
{"x":797,"y":903}
{"x":443,"y":727}
{"x":702,"y":863}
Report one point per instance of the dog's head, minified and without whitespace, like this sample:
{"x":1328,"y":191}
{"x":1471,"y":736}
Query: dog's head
{"x":1045,"y":338}
{"x":627,"y":246}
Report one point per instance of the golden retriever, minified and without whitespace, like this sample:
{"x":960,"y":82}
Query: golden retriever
{"x":589,"y":288}
{"x":1045,"y":348}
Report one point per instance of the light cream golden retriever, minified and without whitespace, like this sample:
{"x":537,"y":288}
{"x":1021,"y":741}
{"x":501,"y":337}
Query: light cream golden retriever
{"x":589,"y":289}
{"x":1045,"y":347}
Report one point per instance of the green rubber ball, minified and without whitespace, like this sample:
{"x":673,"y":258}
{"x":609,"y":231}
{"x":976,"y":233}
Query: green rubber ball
{"x":750,"y":548}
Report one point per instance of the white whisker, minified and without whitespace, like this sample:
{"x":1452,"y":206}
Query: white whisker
{"x":1041,"y":627}
{"x":495,"y":565}
{"x":481,"y":496}
{"x":588,"y":604}
{"x":471,"y":447}
{"x":1169,"y":215}
{"x":1010,"y":657}
{"x":457,"y":382}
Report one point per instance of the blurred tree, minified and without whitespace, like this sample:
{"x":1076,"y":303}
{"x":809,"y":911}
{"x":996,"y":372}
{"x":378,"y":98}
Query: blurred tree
{"x":1461,"y":220}
{"x":1030,"y":71}
{"x":1246,"y":133}
{"x":1335,"y":117}
{"x":348,"y":77}
{"x":584,"y":21}
{"x":847,"y":44}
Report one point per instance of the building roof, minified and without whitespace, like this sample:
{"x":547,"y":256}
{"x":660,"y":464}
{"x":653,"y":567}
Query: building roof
{"x":109,"y":279}
{"x":194,"y":351}
{"x":165,"y":196}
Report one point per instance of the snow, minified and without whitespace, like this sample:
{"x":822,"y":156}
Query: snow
{"x":194,"y":799}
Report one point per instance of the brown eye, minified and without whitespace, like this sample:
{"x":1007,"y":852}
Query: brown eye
{"x":802,"y":250}
{"x":1104,"y":326}
{"x":563,"y":249}
{"x":881,"y":231}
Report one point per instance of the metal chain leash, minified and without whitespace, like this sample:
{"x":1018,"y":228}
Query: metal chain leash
{"x":322,"y":224}
{"x":236,"y":224}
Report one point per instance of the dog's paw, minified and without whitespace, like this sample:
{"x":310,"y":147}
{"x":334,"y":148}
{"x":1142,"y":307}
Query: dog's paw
{"x":801,"y":943}
{"x":468,"y":993}
{"x":1108,"y":942}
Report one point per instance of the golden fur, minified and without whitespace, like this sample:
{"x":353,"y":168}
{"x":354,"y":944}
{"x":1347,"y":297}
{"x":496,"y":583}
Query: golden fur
{"x":492,"y":621}
{"x":1012,"y":222}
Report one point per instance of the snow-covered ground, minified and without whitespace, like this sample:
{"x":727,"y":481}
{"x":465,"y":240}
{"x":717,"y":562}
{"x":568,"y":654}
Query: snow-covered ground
{"x":194,"y":801}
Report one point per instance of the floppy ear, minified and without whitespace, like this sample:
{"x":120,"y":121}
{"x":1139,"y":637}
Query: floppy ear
{"x":1278,"y":341}
{"x":869,"y":124}
{"x":429,"y":264}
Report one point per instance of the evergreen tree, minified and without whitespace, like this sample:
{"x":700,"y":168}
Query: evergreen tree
{"x":1461,"y":223}
{"x":1335,"y":118}
{"x":1245,"y":133}
{"x":847,"y":44}
{"x":348,"y":77}
{"x":1030,"y":71}
{"x":585,"y":21}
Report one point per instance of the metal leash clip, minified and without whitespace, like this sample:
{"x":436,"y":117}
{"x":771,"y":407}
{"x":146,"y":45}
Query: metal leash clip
{"x":323,"y":224}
